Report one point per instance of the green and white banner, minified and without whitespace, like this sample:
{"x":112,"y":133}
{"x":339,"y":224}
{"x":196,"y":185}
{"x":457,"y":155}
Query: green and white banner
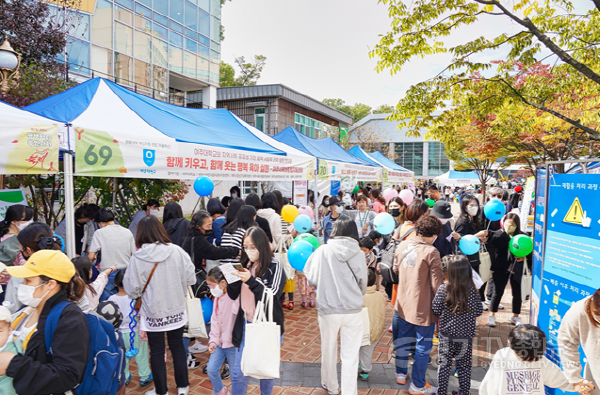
{"x":8,"y":197}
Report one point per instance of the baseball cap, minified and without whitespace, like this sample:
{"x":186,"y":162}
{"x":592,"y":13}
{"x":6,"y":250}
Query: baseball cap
{"x":442,"y":209}
{"x":334,"y":200}
{"x":49,"y":263}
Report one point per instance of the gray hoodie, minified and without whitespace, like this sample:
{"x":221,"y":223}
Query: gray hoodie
{"x":339,"y":271}
{"x":165,"y":295}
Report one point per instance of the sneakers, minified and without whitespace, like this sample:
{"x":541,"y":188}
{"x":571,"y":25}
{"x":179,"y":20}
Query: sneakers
{"x":192,"y":363}
{"x":183,"y":391}
{"x":485,"y":308}
{"x":152,"y":392}
{"x":304,"y":305}
{"x":144,"y":383}
{"x":225,"y":372}
{"x":312,"y":303}
{"x":427,"y":390}
{"x":390,"y":328}
{"x":516,"y":321}
{"x":197,"y":348}
{"x":492,"y":320}
{"x":329,"y":392}
{"x":400,"y":378}
{"x":363,"y":376}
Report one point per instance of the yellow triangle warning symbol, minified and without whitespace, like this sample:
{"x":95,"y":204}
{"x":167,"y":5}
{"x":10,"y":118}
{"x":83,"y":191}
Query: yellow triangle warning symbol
{"x":575,"y":213}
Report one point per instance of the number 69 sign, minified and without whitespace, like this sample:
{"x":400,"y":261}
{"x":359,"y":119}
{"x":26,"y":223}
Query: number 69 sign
{"x":97,"y":154}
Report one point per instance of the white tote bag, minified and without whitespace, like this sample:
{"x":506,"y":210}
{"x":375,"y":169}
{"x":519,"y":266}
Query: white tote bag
{"x":196,"y":327}
{"x":485,"y":264}
{"x":366,"y":338}
{"x":280,"y":254}
{"x":525,"y":282}
{"x":262,"y":356}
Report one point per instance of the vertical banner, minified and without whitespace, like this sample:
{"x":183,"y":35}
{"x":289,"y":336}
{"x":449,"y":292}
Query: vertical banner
{"x":538,"y":244}
{"x":301,"y":193}
{"x":570,"y":262}
{"x":526,"y":208}
{"x":8,"y":197}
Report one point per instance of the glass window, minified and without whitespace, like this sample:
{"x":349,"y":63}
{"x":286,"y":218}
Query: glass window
{"x":102,"y":61}
{"x":203,"y":40}
{"x":82,"y":30}
{"x":176,"y":26}
{"x":191,"y":45}
{"x":215,"y":46}
{"x":205,"y":4}
{"x":214,"y":56}
{"x":176,"y":39}
{"x":410,"y":156}
{"x":78,"y":53}
{"x":160,"y":31}
{"x":161,"y":19}
{"x":215,"y":8}
{"x":147,"y":3}
{"x":102,"y":24}
{"x":126,"y":3}
{"x":141,"y":10}
{"x":191,"y":16}
{"x":176,"y":59}
{"x":176,"y":10}
{"x":123,"y":69}
{"x":189,"y":64}
{"x":191,"y":34}
{"x":215,"y":31}
{"x":203,"y":23}
{"x":215,"y":72}
{"x":160,"y":52}
{"x":159,"y":79}
{"x":203,"y":51}
{"x":161,"y":6}
{"x":143,"y":24}
{"x":203,"y":69}
{"x":142,"y":73}
{"x":123,"y":39}
{"x":143,"y":46}
{"x":123,"y":15}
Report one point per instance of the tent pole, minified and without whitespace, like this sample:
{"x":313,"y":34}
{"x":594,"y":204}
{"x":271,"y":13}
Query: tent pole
{"x":114,"y":193}
{"x":316,"y":196}
{"x":69,"y":203}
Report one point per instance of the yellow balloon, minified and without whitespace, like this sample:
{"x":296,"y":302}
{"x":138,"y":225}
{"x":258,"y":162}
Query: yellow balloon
{"x":289,"y":213}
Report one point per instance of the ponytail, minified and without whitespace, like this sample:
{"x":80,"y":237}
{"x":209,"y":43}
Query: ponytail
{"x":16,"y":212}
{"x":75,"y":288}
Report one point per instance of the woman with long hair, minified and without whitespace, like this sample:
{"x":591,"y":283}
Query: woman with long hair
{"x":84,"y":229}
{"x":261,"y":271}
{"x":378,"y":201}
{"x":150,"y":208}
{"x":174,"y":223}
{"x":159,"y":273}
{"x":267,"y":218}
{"x":234,"y":231}
{"x":324,"y":207}
{"x":16,"y":218}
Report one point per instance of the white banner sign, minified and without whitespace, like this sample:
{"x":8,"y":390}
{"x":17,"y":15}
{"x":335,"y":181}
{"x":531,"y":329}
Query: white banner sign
{"x":9,"y":197}
{"x":301,"y":193}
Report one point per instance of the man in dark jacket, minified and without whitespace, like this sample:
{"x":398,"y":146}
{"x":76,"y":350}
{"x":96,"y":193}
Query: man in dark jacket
{"x":443,"y":211}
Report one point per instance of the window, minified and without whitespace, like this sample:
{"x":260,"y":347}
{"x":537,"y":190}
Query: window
{"x":78,"y":53}
{"x":214,"y":56}
{"x":142,"y":73}
{"x":160,"y":52}
{"x":215,"y":46}
{"x":191,"y":16}
{"x":176,"y":39}
{"x":203,"y":51}
{"x":191,"y":45}
{"x":123,"y":39}
{"x":246,"y":187}
{"x":126,"y":3}
{"x":143,"y":24}
{"x":123,"y":15}
{"x":215,"y":72}
{"x":123,"y":69}
{"x":147,"y":3}
{"x":102,"y":61}
{"x":159,"y":79}
{"x":438,"y":162}
{"x":203,"y":23}
{"x":191,"y":34}
{"x":176,"y":10}
{"x":161,"y":6}
{"x":102,"y":24}
{"x":202,"y":69}
{"x":82,"y":30}
{"x":141,"y":10}
{"x":410,"y":156}
{"x":215,"y":29}
{"x":161,"y":19}
{"x":215,"y":8}
{"x":143,"y":46}
{"x":176,"y":27}
{"x":205,"y":4}
{"x":176,"y":59}
{"x":159,"y":31}
{"x":309,"y":127}
{"x":189,"y":64}
{"x":259,"y":119}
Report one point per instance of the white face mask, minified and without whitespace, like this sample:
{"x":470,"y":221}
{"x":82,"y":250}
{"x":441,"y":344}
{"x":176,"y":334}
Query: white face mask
{"x":24,"y":225}
{"x":253,"y":255}
{"x":472,"y":210}
{"x":339,"y":209}
{"x":510,"y":229}
{"x":25,"y":295}
{"x":326,"y":202}
{"x":233,"y":195}
{"x":216,"y":292}
{"x":443,"y":220}
{"x":153,"y":212}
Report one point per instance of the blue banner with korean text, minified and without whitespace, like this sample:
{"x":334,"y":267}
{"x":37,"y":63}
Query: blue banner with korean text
{"x":538,"y":243}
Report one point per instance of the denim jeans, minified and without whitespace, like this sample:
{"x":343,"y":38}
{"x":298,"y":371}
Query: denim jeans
{"x":405,"y":333}
{"x":110,"y":288}
{"x":186,"y":344}
{"x":214,"y":365}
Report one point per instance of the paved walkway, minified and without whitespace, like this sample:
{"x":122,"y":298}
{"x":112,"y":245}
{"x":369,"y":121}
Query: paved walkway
{"x":301,"y":356}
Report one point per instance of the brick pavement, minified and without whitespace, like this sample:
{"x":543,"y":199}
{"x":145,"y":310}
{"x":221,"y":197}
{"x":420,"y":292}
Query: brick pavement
{"x":301,"y":351}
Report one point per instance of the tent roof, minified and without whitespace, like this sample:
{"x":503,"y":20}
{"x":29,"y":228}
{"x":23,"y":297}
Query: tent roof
{"x":462,"y":175}
{"x":92,"y":99}
{"x":379,"y":157}
{"x":362,"y":154}
{"x":12,"y":114}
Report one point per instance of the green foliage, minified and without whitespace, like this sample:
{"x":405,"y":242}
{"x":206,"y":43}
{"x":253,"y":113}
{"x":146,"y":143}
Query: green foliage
{"x":384,"y":109}
{"x":358,"y":111}
{"x":249,"y":71}
{"x":227,"y":77}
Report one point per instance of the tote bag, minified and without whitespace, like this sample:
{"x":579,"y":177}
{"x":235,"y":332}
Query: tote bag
{"x":366,"y":338}
{"x":485,"y":264}
{"x":196,"y":327}
{"x":281,"y":255}
{"x":525,"y":282}
{"x":261,"y":355}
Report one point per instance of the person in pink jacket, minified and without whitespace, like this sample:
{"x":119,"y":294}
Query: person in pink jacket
{"x":220,"y":345}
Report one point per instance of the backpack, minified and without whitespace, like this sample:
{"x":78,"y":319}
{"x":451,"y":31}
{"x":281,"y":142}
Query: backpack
{"x":104,"y":372}
{"x":386,"y":265}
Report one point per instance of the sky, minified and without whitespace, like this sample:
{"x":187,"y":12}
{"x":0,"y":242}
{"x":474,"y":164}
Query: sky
{"x":321,"y":47}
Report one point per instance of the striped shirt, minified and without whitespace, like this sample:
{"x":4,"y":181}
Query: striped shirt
{"x":235,"y":240}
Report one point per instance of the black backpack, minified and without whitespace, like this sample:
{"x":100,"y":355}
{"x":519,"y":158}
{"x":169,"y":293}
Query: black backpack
{"x":386,"y":266}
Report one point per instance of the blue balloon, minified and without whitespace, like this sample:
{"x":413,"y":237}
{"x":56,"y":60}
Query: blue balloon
{"x":469,"y":244}
{"x":299,"y":252}
{"x":207,"y":309}
{"x":302,"y":223}
{"x":494,"y":210}
{"x":203,"y":186}
{"x":384,"y":223}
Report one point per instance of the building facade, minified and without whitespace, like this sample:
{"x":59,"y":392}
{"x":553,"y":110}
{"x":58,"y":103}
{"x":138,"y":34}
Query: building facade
{"x":425,"y":158}
{"x":160,"y":48}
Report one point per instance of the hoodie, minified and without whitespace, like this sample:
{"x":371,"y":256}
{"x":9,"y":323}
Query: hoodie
{"x":338,"y":271}
{"x":165,"y":295}
{"x":274,"y":220}
{"x":177,"y":229}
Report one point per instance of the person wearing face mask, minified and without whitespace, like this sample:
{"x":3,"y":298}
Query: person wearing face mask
{"x":150,"y":208}
{"x":323,"y":208}
{"x":336,"y":209}
{"x":16,"y":218}
{"x":235,"y":192}
{"x":507,"y":268}
{"x":48,"y":279}
{"x":220,"y":343}
{"x":84,"y":229}
{"x":442,"y":211}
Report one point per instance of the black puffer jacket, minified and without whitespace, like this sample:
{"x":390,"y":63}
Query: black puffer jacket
{"x":177,"y":229}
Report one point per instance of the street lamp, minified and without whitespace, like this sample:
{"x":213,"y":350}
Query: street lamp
{"x":9,"y":65}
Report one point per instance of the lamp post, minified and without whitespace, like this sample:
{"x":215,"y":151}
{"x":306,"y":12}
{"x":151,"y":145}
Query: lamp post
{"x":10,"y":61}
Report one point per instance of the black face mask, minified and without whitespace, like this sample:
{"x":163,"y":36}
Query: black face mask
{"x":26,"y":257}
{"x":395,"y":212}
{"x":208,"y":233}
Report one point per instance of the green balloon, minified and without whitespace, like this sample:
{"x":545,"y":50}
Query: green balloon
{"x":356,"y":188}
{"x":308,"y":237}
{"x":520,"y":246}
{"x":430,"y":202}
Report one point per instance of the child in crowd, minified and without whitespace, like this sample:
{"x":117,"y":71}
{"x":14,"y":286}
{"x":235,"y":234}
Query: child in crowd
{"x":93,"y":290}
{"x":458,"y":304}
{"x":376,"y":237}
{"x":522,"y":368}
{"x":375,"y":302}
{"x":6,"y":344}
{"x":111,"y":312}
{"x":366,"y":246}
{"x":124,"y":303}
{"x":220,"y":344}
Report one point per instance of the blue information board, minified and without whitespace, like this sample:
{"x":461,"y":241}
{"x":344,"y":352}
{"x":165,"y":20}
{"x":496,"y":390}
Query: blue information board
{"x":538,"y":247}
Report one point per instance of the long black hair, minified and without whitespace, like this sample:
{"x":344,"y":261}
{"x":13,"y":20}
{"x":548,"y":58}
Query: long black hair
{"x":244,"y":219}
{"x":16,"y":212}
{"x":197,"y":222}
{"x":38,"y":236}
{"x":517,"y":220}
{"x":261,"y":242}
{"x":150,"y":203}
{"x":254,"y":200}
{"x":279,"y":201}
{"x":83,"y":265}
{"x":269,"y":200}
{"x":463,"y":210}
{"x":232,"y":210}
{"x":172,"y":211}
{"x":460,"y":282}
{"x":345,"y":227}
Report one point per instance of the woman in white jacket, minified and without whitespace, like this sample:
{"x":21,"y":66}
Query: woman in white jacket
{"x":268,"y":211}
{"x":338,"y":271}
{"x":165,"y":270}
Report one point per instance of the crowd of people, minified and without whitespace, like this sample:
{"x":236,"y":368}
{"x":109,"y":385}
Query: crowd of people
{"x":138,"y":278}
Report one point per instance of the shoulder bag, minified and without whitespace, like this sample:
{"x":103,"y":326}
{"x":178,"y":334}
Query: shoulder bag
{"x":485,"y":264}
{"x":196,"y":327}
{"x":138,"y":302}
{"x":525,"y":282}
{"x":386,"y":265}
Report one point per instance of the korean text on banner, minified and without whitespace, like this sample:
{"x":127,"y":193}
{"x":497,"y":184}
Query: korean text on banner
{"x":33,"y":150}
{"x":538,"y":243}
{"x":526,"y":207}
{"x":101,"y":154}
{"x":301,"y":193}
{"x":8,"y":197}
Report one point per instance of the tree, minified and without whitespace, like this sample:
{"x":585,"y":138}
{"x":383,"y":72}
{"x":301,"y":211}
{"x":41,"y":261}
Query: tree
{"x":249,"y":72}
{"x":371,"y":137}
{"x":358,"y":111}
{"x":339,"y":105}
{"x":227,"y":77}
{"x":419,"y":29}
{"x":384,"y":109}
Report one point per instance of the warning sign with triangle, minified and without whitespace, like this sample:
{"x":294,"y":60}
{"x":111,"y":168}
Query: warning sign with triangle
{"x":575,"y":213}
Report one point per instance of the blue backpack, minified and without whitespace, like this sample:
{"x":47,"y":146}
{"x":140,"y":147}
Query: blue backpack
{"x":104,"y":372}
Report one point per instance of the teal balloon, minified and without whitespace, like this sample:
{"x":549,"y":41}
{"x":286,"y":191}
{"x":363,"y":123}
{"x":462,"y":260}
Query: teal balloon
{"x":469,"y":244}
{"x":207,"y":309}
{"x":302,"y":223}
{"x":384,"y":223}
{"x":494,"y":210}
{"x":310,"y":238}
{"x":298,"y":254}
{"x":203,"y":186}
